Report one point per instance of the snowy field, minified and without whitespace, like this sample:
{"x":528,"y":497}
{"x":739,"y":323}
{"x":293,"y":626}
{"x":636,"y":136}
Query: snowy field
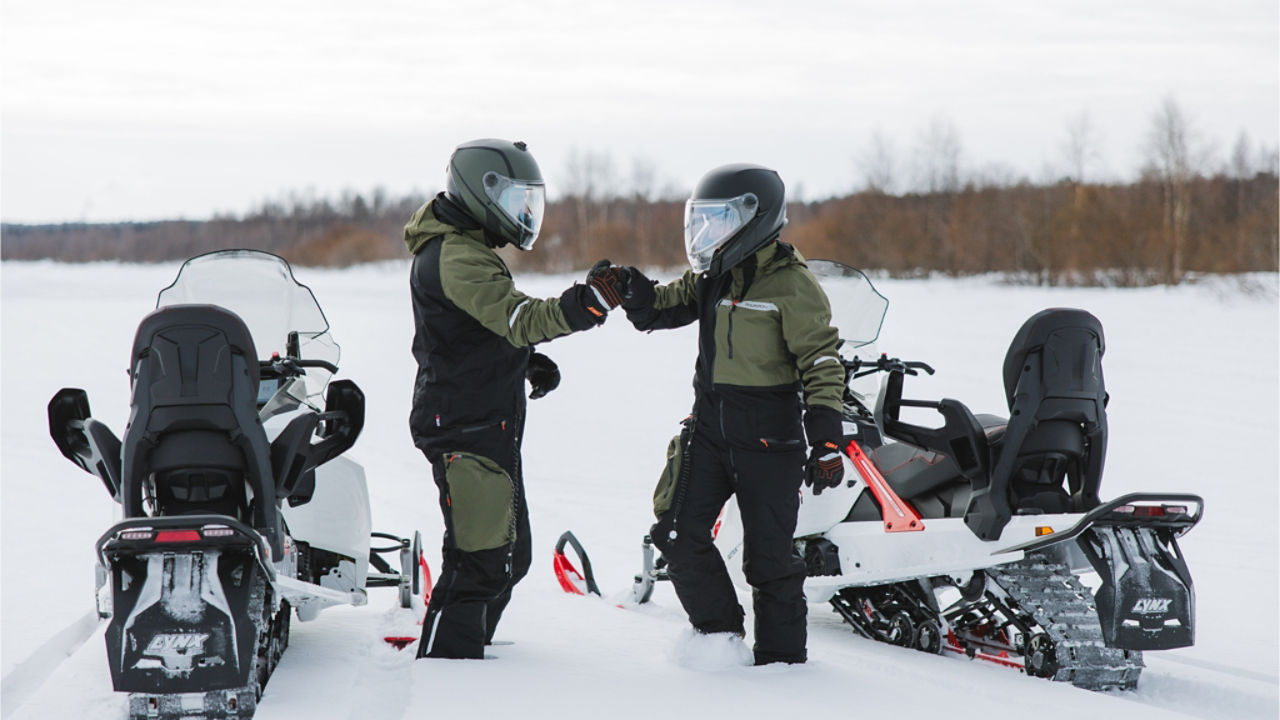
{"x":1192,"y":373}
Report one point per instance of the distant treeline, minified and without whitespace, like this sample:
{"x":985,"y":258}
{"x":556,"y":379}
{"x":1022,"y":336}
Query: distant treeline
{"x":1154,"y":230}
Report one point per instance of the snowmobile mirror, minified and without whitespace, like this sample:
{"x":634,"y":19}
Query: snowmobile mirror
{"x":84,"y":441}
{"x":343,"y":419}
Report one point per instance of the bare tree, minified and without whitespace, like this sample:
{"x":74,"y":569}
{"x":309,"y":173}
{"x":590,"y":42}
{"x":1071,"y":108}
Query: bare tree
{"x":1081,"y":148}
{"x":938,"y":157}
{"x":590,"y":174}
{"x":1169,"y":158}
{"x":1241,"y":163}
{"x":877,"y":165}
{"x":643,"y":178}
{"x":591,"y":183}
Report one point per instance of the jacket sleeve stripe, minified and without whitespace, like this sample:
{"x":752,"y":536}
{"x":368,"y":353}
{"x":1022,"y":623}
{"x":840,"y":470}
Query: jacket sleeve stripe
{"x":512,"y":322}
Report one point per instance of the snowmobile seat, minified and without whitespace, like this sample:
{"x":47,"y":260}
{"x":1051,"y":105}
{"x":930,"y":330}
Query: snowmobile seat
{"x":914,"y":471}
{"x":194,"y":441}
{"x":1057,"y":423}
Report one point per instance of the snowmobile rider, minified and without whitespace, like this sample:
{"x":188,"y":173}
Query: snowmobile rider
{"x":473,"y":340}
{"x":764,"y":338}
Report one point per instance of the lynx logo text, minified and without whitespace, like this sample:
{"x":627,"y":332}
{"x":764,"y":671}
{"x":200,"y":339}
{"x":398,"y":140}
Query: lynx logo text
{"x":1152,"y":606}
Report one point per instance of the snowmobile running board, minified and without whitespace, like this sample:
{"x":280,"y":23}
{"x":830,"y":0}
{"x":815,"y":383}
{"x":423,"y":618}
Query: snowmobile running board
{"x":1124,"y":511}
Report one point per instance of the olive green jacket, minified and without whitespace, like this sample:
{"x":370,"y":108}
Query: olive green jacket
{"x":475,"y":279}
{"x":767,"y":353}
{"x":777,"y":333}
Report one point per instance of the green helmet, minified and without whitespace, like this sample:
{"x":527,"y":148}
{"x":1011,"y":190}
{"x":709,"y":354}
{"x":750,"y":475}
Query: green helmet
{"x":499,"y":184}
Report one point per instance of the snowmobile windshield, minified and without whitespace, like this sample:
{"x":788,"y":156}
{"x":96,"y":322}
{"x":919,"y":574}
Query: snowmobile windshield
{"x":709,"y":224}
{"x":261,"y":289}
{"x":524,"y":203}
{"x":857,"y":308}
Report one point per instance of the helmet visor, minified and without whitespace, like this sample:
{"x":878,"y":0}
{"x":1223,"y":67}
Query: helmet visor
{"x":522,"y":202}
{"x":709,"y":224}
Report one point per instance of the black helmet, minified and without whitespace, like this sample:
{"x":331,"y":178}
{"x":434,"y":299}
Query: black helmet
{"x":735,"y":210}
{"x":499,"y":184}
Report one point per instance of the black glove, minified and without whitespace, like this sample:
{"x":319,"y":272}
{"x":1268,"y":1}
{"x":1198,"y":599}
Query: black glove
{"x":607,"y":280}
{"x":825,"y":468}
{"x":581,"y":308}
{"x":637,"y":290}
{"x":543,"y":375}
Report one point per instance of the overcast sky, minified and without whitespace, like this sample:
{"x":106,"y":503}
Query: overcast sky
{"x":144,"y":110}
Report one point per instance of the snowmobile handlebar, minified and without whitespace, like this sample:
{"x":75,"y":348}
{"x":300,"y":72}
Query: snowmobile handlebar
{"x":884,"y":363}
{"x":293,"y":367}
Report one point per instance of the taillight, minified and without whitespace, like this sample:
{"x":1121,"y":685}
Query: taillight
{"x":177,"y":536}
{"x":1151,"y":511}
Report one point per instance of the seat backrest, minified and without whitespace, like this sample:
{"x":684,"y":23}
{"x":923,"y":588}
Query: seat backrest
{"x":194,"y":437}
{"x":1057,"y":422}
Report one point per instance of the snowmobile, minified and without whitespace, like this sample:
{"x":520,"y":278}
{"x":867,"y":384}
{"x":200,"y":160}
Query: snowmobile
{"x":974,"y":537}
{"x":238,"y":507}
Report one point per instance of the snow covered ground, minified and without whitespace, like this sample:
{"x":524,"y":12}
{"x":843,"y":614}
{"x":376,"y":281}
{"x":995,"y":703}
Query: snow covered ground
{"x":1193,"y":374}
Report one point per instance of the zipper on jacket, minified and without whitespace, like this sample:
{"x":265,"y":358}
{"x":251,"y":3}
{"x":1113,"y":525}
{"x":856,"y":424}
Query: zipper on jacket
{"x":729,"y":334}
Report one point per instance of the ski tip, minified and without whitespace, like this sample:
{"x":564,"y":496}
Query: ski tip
{"x":399,"y":642}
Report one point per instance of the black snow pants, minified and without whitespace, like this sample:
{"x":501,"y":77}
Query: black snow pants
{"x":487,"y":546}
{"x":767,"y":485}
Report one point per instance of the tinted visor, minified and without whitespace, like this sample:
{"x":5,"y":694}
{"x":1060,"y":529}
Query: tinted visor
{"x":522,"y":202}
{"x":709,"y":224}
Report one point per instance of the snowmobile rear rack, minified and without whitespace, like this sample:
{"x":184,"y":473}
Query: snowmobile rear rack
{"x":1172,"y":512}
{"x":182,"y":532}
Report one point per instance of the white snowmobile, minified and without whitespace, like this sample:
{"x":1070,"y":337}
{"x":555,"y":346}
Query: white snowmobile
{"x":973,"y":537}
{"x":200,"y":575}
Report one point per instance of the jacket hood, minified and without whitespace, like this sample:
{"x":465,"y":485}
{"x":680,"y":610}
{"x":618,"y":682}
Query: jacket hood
{"x":424,"y":225}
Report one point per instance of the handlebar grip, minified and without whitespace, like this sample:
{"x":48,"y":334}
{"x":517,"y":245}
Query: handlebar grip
{"x":325,"y":364}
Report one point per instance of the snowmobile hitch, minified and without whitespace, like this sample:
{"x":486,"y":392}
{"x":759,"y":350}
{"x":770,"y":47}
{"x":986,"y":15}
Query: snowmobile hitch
{"x":572,"y":581}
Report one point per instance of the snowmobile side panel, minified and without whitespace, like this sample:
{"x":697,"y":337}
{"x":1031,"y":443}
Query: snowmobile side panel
{"x":870,"y":556}
{"x":338,"y":519}
{"x":818,"y":513}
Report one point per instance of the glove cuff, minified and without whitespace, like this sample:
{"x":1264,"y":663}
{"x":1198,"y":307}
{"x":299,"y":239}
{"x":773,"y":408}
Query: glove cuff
{"x":822,"y":424}
{"x":575,"y":303}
